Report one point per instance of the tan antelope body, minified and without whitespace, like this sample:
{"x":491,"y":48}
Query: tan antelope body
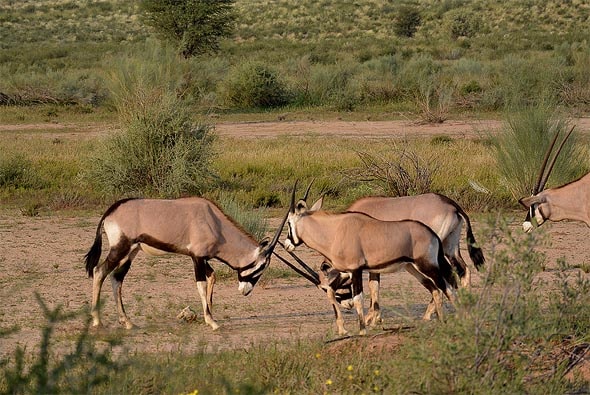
{"x":440,"y":213}
{"x":193,"y":226}
{"x":356,"y":242}
{"x":567,"y":202}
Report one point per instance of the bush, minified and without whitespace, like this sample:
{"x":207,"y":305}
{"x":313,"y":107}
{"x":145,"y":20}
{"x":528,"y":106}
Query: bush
{"x":254,"y":85}
{"x":76,"y":372}
{"x":463,"y":23}
{"x":161,"y":152}
{"x":405,"y":173}
{"x":407,"y":21}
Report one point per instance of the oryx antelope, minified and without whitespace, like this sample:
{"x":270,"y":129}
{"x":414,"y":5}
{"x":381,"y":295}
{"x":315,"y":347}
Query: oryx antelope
{"x":353,"y":242}
{"x":189,"y":226}
{"x":567,"y":202}
{"x":441,"y":214}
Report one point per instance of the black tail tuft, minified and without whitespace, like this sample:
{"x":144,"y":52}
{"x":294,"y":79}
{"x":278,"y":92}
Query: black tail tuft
{"x":93,"y":255}
{"x":475,"y":253}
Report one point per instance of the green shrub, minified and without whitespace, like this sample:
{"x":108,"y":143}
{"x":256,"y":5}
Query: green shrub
{"x":463,"y":23}
{"x":195,"y":26}
{"x":407,"y":21}
{"x":161,"y":152}
{"x":254,"y":85}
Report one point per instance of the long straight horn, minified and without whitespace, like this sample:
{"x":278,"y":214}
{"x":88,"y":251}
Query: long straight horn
{"x":307,"y":191}
{"x":542,"y":186}
{"x":303,"y":264}
{"x":275,"y":239}
{"x":292,"y":205}
{"x":537,"y":187}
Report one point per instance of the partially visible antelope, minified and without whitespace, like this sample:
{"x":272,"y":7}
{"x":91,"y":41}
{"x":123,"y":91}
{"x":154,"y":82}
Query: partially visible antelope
{"x":189,"y":226}
{"x":567,"y":202}
{"x":353,"y":242}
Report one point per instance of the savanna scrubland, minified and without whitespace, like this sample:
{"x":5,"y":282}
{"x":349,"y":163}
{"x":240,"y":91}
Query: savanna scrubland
{"x":89,"y":98}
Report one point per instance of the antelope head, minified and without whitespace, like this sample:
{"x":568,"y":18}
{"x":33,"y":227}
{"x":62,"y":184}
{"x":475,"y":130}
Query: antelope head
{"x":536,"y":204}
{"x":296,"y":212}
{"x":249,"y":276}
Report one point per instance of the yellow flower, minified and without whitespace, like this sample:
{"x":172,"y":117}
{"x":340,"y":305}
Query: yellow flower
{"x":376,"y":372}
{"x":350,"y":377}
{"x":318,"y":355}
{"x":349,"y":368}
{"x":329,"y":382}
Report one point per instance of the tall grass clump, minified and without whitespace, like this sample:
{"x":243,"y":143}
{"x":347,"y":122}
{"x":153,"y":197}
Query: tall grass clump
{"x":522,"y":144}
{"x":424,"y":84}
{"x":160,"y":151}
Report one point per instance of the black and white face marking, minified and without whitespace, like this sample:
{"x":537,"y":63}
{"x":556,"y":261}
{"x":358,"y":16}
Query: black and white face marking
{"x":249,"y":277}
{"x":534,"y":218}
{"x":292,"y":240}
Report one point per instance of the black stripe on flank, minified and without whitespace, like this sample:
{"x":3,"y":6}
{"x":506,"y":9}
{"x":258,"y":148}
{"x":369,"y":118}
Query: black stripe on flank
{"x":161,"y":245}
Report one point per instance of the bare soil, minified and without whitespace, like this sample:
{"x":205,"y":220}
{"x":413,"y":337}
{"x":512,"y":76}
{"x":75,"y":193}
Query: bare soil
{"x":43,"y":255}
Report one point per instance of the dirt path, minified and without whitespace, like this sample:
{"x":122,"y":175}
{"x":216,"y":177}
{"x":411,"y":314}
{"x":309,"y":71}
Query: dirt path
{"x":359,"y":129}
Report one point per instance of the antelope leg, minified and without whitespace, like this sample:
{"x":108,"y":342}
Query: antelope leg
{"x":435,"y":304}
{"x":339,"y":318}
{"x":357,"y":292}
{"x":202,"y":269}
{"x":374,"y":314}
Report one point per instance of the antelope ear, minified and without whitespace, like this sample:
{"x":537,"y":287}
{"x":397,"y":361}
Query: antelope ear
{"x":318,"y":205}
{"x":324,"y":267}
{"x":265,"y":242}
{"x":300,"y":207}
{"x":527,"y":202}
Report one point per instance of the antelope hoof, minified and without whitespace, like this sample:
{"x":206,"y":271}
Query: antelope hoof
{"x":214,"y":325}
{"x":527,"y":226}
{"x":373,"y":320}
{"x":128,"y":324}
{"x":363,"y":332}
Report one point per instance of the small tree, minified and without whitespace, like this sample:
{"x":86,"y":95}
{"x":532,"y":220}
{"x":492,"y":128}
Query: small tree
{"x":196,"y":26}
{"x":407,"y":21}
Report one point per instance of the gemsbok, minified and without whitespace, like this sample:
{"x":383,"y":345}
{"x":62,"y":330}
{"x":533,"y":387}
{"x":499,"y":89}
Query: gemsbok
{"x":567,"y":202}
{"x":441,"y":214}
{"x":355,"y":242}
{"x":189,"y":226}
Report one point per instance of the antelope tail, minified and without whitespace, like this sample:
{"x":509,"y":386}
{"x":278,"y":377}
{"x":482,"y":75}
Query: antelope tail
{"x":93,"y":255}
{"x":475,"y":253}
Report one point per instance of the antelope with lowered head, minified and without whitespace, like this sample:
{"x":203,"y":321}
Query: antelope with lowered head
{"x":353,"y":242}
{"x":189,"y":226}
{"x":567,"y":202}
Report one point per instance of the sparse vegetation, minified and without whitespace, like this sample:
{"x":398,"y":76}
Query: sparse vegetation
{"x":424,"y":60}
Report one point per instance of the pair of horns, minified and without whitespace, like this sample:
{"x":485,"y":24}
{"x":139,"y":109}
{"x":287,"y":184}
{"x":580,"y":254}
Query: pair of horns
{"x":308,"y":273}
{"x":542,"y":179}
{"x":292,"y":206}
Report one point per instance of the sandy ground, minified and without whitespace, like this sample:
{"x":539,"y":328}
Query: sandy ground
{"x":43,"y":255}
